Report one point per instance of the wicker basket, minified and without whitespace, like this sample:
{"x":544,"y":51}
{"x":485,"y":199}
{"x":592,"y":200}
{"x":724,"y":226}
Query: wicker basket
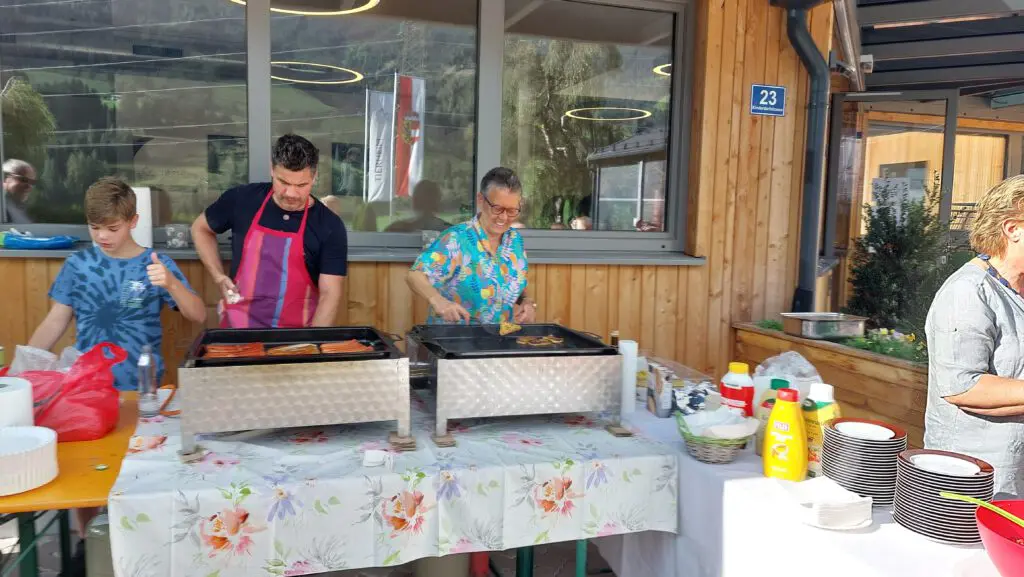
{"x":708,"y":450}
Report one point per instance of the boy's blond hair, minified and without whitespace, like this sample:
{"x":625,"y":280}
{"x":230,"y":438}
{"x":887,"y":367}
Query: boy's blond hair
{"x":109,"y":199}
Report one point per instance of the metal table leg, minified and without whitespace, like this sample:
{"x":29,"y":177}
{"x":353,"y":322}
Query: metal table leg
{"x":524,"y":562}
{"x":581,"y":558}
{"x":65,"y":541}
{"x":28,"y":565}
{"x":27,"y":559}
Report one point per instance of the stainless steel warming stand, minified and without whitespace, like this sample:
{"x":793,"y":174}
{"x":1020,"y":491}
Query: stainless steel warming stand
{"x":479,"y":373}
{"x":271,"y":392}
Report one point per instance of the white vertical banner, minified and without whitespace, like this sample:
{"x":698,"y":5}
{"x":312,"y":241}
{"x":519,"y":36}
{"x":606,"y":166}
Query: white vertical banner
{"x":380,"y":112}
{"x":409,"y":134}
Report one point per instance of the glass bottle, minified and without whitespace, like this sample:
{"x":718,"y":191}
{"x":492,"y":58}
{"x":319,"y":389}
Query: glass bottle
{"x":149,"y":401}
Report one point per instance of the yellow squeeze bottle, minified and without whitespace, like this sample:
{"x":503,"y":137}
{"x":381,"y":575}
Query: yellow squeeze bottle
{"x":819,"y":408}
{"x":763,"y":410}
{"x":785,"y":439}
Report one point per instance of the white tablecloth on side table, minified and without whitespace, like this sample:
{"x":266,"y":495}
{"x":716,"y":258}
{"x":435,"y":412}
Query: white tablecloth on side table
{"x":734,"y":523}
{"x":298,"y":502}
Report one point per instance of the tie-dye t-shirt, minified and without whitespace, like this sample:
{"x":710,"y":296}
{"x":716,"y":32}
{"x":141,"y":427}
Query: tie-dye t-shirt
{"x":465,"y":272}
{"x":113,"y":301}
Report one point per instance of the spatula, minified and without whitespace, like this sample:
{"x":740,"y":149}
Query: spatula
{"x":995,"y":509}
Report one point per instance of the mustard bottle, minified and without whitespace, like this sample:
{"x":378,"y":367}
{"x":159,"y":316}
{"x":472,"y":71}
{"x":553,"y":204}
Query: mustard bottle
{"x":785,"y":439}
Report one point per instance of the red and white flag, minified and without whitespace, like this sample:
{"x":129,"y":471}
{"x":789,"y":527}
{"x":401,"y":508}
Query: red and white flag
{"x":410,"y":93}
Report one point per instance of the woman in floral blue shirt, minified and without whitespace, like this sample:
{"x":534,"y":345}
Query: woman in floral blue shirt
{"x":476,"y":271}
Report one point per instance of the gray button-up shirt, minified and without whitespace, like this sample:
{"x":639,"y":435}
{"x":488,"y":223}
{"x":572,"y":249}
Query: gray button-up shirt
{"x":975,"y":326}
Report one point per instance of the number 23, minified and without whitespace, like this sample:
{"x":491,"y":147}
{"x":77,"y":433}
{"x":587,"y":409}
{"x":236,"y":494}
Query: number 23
{"x":768,"y":98}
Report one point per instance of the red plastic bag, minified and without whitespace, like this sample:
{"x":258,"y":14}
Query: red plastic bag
{"x":82,"y":404}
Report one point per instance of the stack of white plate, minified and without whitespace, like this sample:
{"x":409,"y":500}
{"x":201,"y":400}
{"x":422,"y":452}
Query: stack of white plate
{"x":860,"y":455}
{"x":922,"y":475}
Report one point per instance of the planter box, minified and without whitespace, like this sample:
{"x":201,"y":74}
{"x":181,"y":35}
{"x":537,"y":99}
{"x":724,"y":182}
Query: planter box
{"x":867,"y":385}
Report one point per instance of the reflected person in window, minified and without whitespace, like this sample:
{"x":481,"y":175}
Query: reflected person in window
{"x":476,"y":271}
{"x":975,"y":328}
{"x":19,"y":178}
{"x":426,"y":203}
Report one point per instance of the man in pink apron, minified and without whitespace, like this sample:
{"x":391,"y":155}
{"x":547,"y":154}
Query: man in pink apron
{"x":289,"y":252}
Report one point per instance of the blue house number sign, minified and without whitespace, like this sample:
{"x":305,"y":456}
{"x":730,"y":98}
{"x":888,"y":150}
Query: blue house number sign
{"x":768,"y":100}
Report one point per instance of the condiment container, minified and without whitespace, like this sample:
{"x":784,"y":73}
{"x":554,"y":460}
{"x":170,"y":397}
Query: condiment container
{"x":785,"y":440}
{"x":819,"y":408}
{"x":763,"y":410}
{"x":737,"y":388}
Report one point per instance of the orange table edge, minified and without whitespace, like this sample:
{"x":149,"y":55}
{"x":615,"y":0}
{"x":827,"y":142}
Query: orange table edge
{"x":79,"y":483}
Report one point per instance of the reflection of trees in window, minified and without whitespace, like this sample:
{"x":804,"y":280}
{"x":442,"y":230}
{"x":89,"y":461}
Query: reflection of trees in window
{"x":28,"y":124}
{"x":133,"y":93}
{"x":541,"y":82}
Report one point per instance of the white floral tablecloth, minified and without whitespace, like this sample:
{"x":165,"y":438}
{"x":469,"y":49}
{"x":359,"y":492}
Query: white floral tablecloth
{"x":300,"y":501}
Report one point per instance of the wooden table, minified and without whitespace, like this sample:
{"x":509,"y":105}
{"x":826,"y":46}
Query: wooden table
{"x":86,"y":472}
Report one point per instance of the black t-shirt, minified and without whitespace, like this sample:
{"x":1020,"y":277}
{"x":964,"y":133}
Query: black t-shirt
{"x":325,"y":242}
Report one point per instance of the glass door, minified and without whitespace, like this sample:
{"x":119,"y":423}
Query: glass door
{"x":884,"y":148}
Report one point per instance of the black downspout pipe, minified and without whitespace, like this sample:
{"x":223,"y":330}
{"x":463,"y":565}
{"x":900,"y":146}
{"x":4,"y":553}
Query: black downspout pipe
{"x":814,"y":155}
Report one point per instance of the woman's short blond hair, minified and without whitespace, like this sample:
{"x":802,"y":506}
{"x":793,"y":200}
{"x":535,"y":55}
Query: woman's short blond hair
{"x":1004,"y":202}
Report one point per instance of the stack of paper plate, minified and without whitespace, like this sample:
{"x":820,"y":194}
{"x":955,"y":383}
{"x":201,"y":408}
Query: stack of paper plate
{"x":922,"y":475}
{"x":860,"y":455}
{"x":28,"y":458}
{"x":821,"y":502}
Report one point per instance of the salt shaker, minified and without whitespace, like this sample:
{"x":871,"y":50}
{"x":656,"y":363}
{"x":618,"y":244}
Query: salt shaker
{"x":149,"y":402}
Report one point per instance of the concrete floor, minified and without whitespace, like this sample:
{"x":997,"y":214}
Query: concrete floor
{"x":556,"y":560}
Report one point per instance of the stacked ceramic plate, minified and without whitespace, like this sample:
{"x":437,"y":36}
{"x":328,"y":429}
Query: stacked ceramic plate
{"x":921,"y":475}
{"x":860,"y":455}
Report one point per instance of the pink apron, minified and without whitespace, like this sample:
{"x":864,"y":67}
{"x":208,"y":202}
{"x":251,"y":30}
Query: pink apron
{"x":272,"y":279}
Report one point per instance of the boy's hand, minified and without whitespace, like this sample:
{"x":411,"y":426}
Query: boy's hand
{"x":159,"y":275}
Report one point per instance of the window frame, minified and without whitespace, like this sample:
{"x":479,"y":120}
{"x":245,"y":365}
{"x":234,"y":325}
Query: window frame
{"x":487,"y":138}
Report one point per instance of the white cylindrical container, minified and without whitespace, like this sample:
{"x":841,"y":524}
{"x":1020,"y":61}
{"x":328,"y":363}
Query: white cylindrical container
{"x":629,"y":351}
{"x":15,"y":402}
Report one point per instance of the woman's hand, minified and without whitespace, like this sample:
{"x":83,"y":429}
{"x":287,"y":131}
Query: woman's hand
{"x":449,"y":311}
{"x":525,"y":313}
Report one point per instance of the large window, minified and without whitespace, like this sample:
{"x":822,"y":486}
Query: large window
{"x":409,"y":101}
{"x":153,"y":91}
{"x":388,"y":96}
{"x":585,"y":113}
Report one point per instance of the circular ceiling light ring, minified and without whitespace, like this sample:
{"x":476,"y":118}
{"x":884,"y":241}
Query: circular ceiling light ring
{"x":356,"y":76}
{"x":640,"y":114}
{"x":367,"y":6}
{"x":662,"y":70}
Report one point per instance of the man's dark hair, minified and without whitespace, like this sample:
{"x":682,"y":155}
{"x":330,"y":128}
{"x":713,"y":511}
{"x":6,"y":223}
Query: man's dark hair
{"x":500,"y":177}
{"x":295,"y":153}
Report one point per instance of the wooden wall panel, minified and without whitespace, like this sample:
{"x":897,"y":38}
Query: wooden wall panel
{"x":743,"y":203}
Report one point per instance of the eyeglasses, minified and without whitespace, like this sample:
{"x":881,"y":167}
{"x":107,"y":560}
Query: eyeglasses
{"x":500,"y":210}
{"x":20,"y":178}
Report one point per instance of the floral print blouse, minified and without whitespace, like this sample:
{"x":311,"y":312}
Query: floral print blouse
{"x":461,"y":268}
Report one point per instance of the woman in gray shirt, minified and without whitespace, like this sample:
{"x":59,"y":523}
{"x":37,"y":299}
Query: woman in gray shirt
{"x":975,"y":334}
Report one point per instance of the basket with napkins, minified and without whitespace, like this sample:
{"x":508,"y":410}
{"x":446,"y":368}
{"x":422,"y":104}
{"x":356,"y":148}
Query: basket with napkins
{"x":716,"y":435}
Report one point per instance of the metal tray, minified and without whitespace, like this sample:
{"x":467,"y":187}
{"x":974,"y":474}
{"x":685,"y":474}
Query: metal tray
{"x":452,"y":341}
{"x":384,"y":346}
{"x":822,"y":326}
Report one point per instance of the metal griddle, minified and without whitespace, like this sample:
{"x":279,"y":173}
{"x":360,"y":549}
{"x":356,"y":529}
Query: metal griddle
{"x":478,"y":373}
{"x":258,"y":393}
{"x":455,"y":341}
{"x":384,"y":346}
